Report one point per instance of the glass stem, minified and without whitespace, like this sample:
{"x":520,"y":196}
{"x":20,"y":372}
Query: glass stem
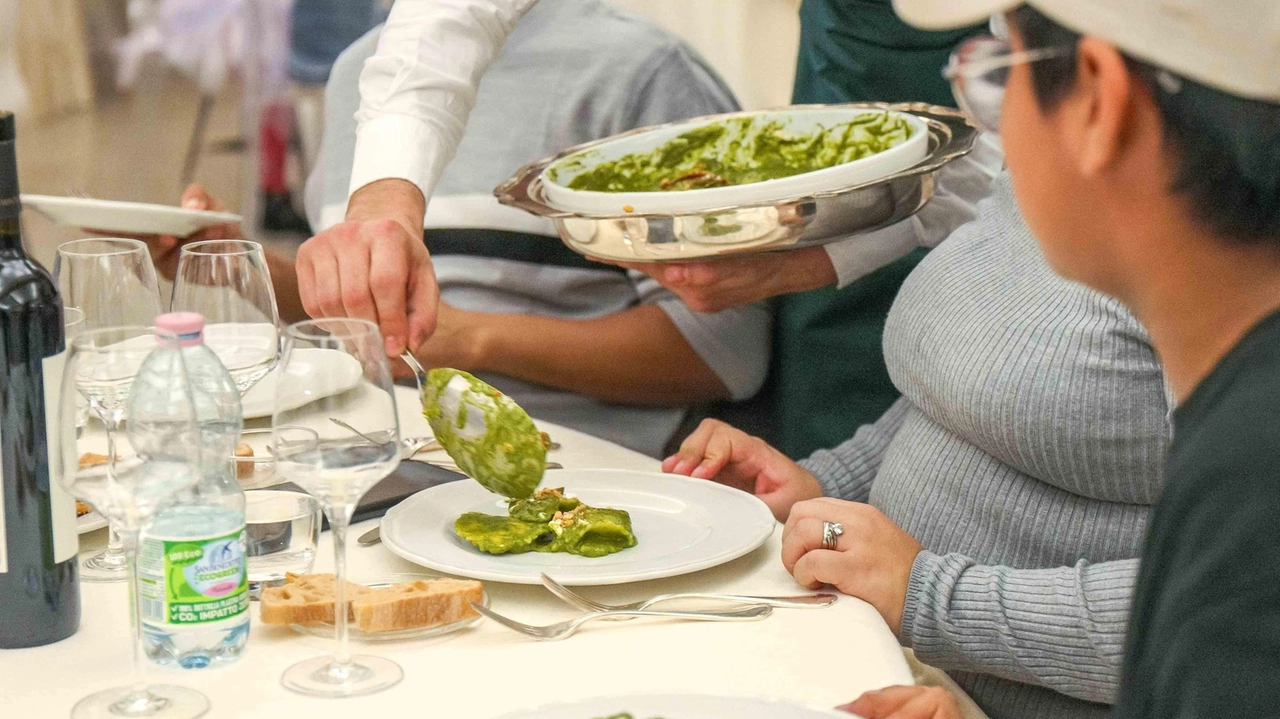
{"x":339,"y":519}
{"x":115,"y":545}
{"x":129,"y":539}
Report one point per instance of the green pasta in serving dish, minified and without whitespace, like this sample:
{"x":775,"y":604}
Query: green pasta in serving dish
{"x":737,"y":151}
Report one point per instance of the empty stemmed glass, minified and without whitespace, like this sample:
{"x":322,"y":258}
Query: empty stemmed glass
{"x":337,"y":467}
{"x":110,"y":282}
{"x":228,"y":282}
{"x":160,"y":461}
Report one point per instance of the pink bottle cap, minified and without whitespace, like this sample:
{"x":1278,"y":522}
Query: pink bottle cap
{"x":188,"y":326}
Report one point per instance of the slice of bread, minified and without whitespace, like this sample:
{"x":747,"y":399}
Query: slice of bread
{"x":91,"y":459}
{"x":420,"y":603}
{"x":304,"y":599}
{"x":245,"y":467}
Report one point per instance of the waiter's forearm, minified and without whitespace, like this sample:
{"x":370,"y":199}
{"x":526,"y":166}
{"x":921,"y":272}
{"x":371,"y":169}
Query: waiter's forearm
{"x":417,"y":91}
{"x":636,"y":357}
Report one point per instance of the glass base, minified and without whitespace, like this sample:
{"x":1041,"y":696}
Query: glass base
{"x":323,"y":677}
{"x":159,"y":701}
{"x":104,"y":567}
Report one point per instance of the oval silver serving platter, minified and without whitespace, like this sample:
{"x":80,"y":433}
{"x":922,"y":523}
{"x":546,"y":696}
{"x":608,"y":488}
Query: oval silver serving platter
{"x":784,"y":224}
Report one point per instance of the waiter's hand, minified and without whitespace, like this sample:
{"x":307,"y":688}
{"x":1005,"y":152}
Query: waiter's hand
{"x":714,"y":285}
{"x":374,"y":266}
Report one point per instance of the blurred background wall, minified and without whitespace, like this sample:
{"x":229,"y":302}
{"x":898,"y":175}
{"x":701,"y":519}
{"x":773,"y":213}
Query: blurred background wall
{"x":751,"y":42}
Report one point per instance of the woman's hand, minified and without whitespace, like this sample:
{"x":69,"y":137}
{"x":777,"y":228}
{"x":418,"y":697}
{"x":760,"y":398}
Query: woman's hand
{"x":730,"y":456}
{"x":905,"y":703}
{"x":872,"y":559}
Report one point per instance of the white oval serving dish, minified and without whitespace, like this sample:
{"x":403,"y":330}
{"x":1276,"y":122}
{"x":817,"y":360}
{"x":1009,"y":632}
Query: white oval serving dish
{"x":799,"y":119}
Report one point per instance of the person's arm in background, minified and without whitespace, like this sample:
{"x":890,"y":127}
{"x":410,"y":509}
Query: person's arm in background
{"x":635,"y":357}
{"x":714,"y":285}
{"x":416,"y":95}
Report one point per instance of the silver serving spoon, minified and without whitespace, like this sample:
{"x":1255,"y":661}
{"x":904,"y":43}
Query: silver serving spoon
{"x":419,"y":374}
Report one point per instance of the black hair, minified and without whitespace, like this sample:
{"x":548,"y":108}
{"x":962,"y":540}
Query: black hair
{"x":1226,"y":147}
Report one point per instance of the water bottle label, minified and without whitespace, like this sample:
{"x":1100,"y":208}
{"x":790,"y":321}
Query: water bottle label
{"x":193,"y":581}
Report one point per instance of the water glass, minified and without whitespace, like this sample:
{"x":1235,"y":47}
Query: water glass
{"x":283,"y":529}
{"x":337,"y":467}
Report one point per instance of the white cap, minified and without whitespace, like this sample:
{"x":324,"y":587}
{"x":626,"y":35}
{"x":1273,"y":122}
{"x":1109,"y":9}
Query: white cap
{"x":1230,"y":45}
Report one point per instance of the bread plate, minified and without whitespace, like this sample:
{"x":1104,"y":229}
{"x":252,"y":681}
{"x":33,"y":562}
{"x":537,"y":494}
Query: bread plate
{"x":677,"y":706}
{"x":90,"y":522}
{"x":325,"y":629}
{"x":127,"y":218}
{"x":682,"y":525}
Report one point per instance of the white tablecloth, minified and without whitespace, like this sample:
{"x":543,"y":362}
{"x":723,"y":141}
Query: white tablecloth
{"x":819,"y":657}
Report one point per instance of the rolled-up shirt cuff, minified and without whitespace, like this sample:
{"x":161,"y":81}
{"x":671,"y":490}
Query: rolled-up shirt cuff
{"x":858,"y":257}
{"x":400,"y":147}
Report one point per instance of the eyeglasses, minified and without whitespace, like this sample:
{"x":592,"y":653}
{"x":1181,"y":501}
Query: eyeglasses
{"x":979,"y":71}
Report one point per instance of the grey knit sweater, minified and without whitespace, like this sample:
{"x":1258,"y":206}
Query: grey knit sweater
{"x":1024,"y":456}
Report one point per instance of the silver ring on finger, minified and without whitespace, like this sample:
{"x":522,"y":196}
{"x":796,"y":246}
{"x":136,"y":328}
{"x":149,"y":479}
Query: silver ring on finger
{"x":830,"y":532}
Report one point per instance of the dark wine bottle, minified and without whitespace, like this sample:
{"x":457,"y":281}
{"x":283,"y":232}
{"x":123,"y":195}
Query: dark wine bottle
{"x":39,"y":585}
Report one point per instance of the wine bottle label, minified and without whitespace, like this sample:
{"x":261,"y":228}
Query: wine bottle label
{"x":193,"y":581}
{"x":62,"y":506}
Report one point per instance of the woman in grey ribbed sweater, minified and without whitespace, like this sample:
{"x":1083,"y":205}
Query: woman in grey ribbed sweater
{"x":1004,"y":497}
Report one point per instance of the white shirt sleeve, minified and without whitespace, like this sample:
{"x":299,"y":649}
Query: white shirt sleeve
{"x":961,"y":185}
{"x":417,"y":91}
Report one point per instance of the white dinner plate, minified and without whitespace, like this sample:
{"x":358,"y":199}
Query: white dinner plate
{"x":313,"y":374}
{"x":129,"y":218}
{"x":677,"y":707}
{"x":90,"y":522}
{"x":681,"y":525}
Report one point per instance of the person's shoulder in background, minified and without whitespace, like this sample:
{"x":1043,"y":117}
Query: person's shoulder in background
{"x":643,"y":73}
{"x":584,"y":69}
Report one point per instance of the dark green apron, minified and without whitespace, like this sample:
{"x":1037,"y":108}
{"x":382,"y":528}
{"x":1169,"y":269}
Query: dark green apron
{"x":828,"y":375}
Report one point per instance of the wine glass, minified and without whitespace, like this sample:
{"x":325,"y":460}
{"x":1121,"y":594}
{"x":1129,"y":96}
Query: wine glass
{"x":337,"y":467}
{"x":228,"y":282}
{"x":160,"y":461}
{"x":110,"y":282}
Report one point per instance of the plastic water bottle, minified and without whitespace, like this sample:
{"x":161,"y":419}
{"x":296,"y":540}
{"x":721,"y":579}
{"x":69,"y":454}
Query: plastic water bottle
{"x":192,"y":576}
